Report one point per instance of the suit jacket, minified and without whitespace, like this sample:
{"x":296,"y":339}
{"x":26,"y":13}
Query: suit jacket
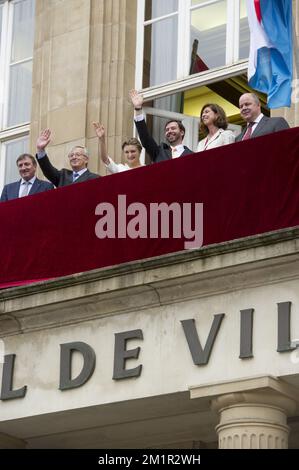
{"x":222,"y":137}
{"x":11,"y":191}
{"x":266,"y":126}
{"x":157,"y":153}
{"x":62,"y":177}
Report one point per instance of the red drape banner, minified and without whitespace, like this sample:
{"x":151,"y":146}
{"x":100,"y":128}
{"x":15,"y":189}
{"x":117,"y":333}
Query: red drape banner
{"x":246,"y":188}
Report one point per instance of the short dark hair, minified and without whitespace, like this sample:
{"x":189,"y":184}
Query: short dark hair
{"x":26,"y":155}
{"x":132,"y":141}
{"x":221,"y":120}
{"x":179,"y":123}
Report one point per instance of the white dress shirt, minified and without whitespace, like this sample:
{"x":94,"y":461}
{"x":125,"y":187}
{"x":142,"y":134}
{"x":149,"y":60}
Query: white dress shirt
{"x":23,"y":182}
{"x":256,"y":121}
{"x":79,"y":173}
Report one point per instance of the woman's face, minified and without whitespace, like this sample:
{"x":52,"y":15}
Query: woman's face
{"x":132,"y":155}
{"x":208,"y":116}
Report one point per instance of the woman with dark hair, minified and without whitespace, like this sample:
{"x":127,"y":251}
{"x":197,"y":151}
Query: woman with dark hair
{"x":213,"y":122}
{"x":131,"y":148}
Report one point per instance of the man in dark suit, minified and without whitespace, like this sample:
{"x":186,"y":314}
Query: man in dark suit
{"x":78,"y":158}
{"x":257,"y":123}
{"x":174,"y":135}
{"x":28,"y":184}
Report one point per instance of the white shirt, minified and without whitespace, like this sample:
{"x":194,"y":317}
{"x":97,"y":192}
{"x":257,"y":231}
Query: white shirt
{"x":256,"y":121}
{"x":80,"y":172}
{"x":29,"y":185}
{"x":113,"y":167}
{"x":179,"y":149}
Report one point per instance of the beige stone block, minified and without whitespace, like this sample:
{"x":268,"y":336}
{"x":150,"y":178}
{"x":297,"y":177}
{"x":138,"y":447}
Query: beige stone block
{"x":69,"y":68}
{"x":80,"y":14}
{"x":94,"y":163}
{"x":37,"y":67}
{"x":68,"y":123}
{"x":59,"y":15}
{"x":35,"y":101}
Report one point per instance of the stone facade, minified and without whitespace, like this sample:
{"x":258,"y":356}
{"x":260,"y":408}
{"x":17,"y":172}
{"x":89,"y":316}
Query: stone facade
{"x":146,"y":302}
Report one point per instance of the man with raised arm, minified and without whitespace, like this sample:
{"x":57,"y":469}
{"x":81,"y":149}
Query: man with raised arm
{"x":78,"y":158}
{"x":174,"y":134}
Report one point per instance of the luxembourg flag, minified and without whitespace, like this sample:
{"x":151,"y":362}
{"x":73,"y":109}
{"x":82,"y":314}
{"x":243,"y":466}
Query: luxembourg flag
{"x":270,"y":67}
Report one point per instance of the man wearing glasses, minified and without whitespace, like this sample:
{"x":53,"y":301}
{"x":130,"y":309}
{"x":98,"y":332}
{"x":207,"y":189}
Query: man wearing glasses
{"x":78,"y":158}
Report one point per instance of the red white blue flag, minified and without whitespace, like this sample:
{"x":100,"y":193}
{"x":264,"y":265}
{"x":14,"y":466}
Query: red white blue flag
{"x":270,"y":67}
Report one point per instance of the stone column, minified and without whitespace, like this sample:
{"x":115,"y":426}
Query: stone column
{"x":253,"y":420}
{"x":83,"y":68}
{"x":253,"y":411}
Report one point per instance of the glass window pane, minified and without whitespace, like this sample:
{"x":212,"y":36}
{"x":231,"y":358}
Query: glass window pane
{"x":244,"y":32}
{"x":160,"y":52}
{"x":157,"y":8}
{"x":12,"y":150}
{"x":208,"y":36}
{"x":1,"y":9}
{"x":23,"y":30}
{"x":20,"y":93}
{"x":199,"y":2}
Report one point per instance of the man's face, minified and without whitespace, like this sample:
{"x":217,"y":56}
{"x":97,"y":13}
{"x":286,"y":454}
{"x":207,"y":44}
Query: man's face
{"x":173,"y":134}
{"x":26,"y":168}
{"x":78,"y":160}
{"x":249,"y":108}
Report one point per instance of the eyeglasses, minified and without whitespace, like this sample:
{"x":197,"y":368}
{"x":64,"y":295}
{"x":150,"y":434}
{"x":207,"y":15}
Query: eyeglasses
{"x":76,"y":154}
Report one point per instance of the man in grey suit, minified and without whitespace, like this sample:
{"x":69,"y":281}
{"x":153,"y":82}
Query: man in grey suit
{"x":78,"y":158}
{"x":257,"y":123}
{"x":28,"y":184}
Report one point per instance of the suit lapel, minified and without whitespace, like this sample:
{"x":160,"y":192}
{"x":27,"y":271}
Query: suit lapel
{"x":35,"y":186}
{"x":16,"y":189}
{"x":260,"y":126}
{"x":215,"y":136}
{"x":82,"y":177}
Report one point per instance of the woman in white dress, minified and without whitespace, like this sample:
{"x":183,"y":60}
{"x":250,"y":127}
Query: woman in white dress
{"x":131,"y":148}
{"x":214,"y":125}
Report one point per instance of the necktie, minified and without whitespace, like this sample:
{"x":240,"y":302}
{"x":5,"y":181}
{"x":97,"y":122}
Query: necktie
{"x":248,"y":132}
{"x":75,"y":176}
{"x":25,"y":189}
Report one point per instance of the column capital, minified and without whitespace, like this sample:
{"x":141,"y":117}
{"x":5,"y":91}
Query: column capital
{"x":253,"y":412}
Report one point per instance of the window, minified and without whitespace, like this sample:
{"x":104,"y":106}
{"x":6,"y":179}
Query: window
{"x":16,"y":48}
{"x":190,"y":52}
{"x":168,"y":32}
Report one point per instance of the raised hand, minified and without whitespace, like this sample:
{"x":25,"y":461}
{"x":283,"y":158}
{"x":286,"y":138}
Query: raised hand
{"x":43,"y":140}
{"x":136,"y":98}
{"x":99,"y":130}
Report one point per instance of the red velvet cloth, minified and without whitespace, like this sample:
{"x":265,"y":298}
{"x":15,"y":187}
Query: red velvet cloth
{"x":247,"y":188}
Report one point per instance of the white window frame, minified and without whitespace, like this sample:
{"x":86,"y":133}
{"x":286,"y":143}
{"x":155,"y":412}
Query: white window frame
{"x":184,"y":81}
{"x":12,"y":133}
